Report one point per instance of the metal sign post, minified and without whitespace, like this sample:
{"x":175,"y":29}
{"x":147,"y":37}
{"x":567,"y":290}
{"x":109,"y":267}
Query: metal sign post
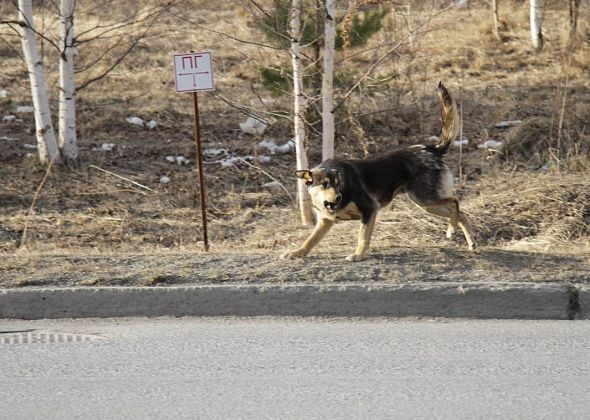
{"x":201,"y":176}
{"x":193,"y":72}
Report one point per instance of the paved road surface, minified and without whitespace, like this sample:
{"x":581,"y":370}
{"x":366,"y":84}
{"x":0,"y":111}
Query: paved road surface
{"x":294,"y":368}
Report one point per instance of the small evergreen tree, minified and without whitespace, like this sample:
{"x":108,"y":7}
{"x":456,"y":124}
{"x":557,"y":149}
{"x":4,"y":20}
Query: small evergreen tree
{"x":275,"y":27}
{"x":362,"y":27}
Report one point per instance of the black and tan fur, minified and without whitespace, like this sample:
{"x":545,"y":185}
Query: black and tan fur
{"x":357,"y":189}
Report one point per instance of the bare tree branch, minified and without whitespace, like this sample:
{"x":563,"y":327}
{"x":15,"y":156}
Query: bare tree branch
{"x":226,"y":35}
{"x":115,"y":63}
{"x":249,"y":111}
{"x":154,"y":16}
{"x":386,"y":54}
{"x":148,"y":14}
{"x":26,"y":24}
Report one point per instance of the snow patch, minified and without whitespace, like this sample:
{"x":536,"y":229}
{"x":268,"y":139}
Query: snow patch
{"x":215,"y":152}
{"x":135,"y":121}
{"x":253,"y":126}
{"x":164,"y":179}
{"x":268,"y":144}
{"x":272,"y":147}
{"x":231,"y":161}
{"x":151,"y":125}
{"x":272,"y":185}
{"x":181,"y":160}
{"x":235,"y":161}
{"x":25,"y":109}
{"x":9,"y":118}
{"x":491,"y":144}
{"x":506,"y":124}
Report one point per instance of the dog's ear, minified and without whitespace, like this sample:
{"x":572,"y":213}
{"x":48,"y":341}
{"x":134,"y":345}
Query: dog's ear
{"x":306,"y":176}
{"x":339,"y":177}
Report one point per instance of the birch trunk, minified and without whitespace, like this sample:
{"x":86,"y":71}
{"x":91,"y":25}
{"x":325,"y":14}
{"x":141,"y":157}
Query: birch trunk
{"x":536,"y":36}
{"x":67,"y":103}
{"x":328,"y":131}
{"x":574,"y":13}
{"x":46,"y":143}
{"x":298,"y":110}
{"x":496,"y":19}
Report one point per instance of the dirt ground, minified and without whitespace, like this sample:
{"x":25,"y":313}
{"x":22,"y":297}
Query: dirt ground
{"x":396,"y":265}
{"x":110,"y":220}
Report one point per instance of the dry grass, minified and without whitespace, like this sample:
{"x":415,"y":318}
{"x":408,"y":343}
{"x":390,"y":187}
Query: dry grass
{"x":540,"y":142}
{"x":512,"y":204}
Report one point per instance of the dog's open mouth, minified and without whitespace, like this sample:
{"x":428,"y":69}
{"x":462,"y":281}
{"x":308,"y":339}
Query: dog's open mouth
{"x":331,"y":207}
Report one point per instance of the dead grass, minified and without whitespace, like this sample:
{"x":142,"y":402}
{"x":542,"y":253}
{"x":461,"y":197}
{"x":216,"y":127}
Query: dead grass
{"x":540,"y":142}
{"x":513,"y":204}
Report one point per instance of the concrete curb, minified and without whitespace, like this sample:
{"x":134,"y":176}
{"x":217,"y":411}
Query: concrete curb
{"x":584,"y":301}
{"x":432,"y":299}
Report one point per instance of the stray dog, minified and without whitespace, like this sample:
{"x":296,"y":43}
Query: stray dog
{"x":357,"y":189}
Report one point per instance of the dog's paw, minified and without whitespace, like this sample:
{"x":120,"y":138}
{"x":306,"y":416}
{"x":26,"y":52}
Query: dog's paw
{"x":298,"y":253}
{"x":450,"y":231}
{"x":355,"y":257}
{"x":473,"y":246}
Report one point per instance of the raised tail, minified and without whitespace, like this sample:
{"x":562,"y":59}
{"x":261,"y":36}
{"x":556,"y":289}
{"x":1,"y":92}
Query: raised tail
{"x":450,"y":119}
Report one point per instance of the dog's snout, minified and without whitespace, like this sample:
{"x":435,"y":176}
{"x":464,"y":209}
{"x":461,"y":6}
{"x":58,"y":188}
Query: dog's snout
{"x":330,"y":206}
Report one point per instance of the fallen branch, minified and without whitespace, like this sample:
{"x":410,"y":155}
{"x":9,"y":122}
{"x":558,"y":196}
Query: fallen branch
{"x":32,"y":208}
{"x":122,"y":177}
{"x":270,"y":176}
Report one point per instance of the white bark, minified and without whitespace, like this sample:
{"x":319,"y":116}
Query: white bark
{"x":67,"y":103}
{"x":574,"y":14}
{"x":328,"y":131}
{"x":46,"y":143}
{"x":298,"y":109}
{"x":536,"y":36}
{"x":496,"y":19}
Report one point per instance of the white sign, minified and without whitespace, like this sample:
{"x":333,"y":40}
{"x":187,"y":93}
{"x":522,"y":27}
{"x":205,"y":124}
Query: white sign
{"x":193,"y":72}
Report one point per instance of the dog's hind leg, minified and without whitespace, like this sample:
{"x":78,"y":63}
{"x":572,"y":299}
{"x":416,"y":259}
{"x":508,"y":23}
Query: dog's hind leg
{"x":466,"y":228}
{"x":319,"y":231}
{"x":364,"y":240}
{"x":449,"y":208}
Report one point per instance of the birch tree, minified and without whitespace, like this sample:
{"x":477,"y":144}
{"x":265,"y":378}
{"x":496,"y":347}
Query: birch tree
{"x":67,"y":103}
{"x":574,"y":6}
{"x":298,"y":112}
{"x":536,"y":35}
{"x":107,"y":44}
{"x":496,"y":19}
{"x":328,"y":131}
{"x":46,"y":143}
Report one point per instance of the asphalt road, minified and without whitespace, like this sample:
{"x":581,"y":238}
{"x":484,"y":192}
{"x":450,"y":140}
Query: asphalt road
{"x":294,"y":368}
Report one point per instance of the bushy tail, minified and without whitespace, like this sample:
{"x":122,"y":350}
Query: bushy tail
{"x":450,"y":119}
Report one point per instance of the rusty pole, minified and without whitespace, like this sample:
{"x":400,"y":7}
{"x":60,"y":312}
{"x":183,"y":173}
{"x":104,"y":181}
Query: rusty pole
{"x":200,"y":165}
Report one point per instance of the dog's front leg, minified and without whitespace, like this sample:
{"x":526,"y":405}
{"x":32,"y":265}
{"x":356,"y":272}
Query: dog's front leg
{"x":365,"y":232}
{"x":319,"y":231}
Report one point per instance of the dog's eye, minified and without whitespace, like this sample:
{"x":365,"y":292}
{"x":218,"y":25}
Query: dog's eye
{"x":325,"y":184}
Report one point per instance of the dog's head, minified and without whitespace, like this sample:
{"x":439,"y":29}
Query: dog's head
{"x":325,"y":187}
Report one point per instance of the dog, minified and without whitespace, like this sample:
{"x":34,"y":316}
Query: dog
{"x":356,"y":189}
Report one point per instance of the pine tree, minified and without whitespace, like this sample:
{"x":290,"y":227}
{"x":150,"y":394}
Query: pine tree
{"x":275,"y":27}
